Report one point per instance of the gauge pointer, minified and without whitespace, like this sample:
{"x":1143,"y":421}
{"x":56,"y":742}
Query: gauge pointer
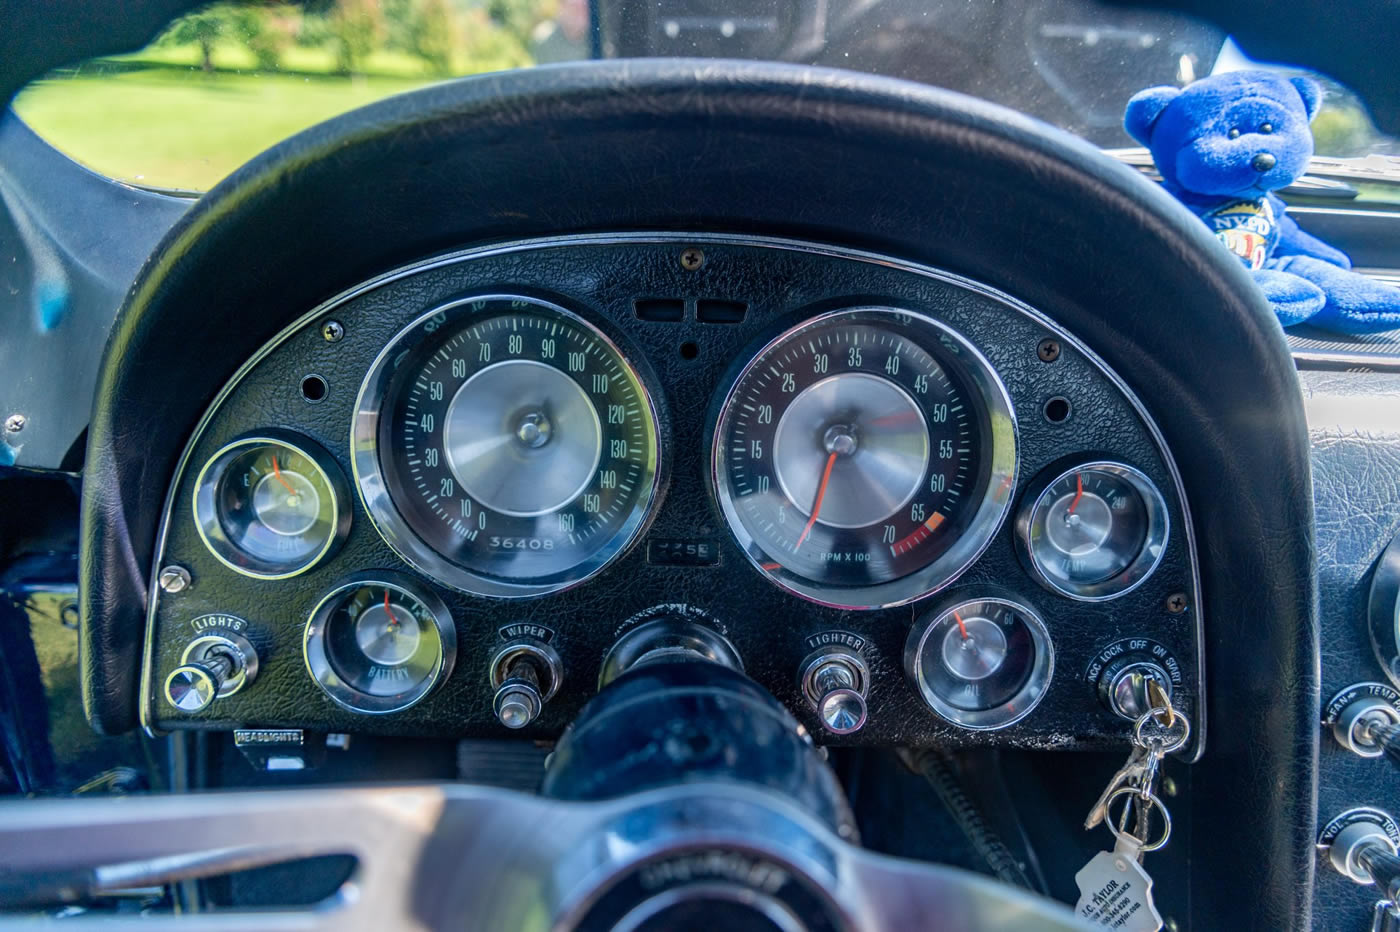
{"x":1079,"y":492}
{"x":961,"y":627}
{"x":821,"y":494}
{"x":277,"y":471}
{"x":393,"y":622}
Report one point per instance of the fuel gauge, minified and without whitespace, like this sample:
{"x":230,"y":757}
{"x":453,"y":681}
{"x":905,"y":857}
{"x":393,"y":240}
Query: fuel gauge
{"x":1093,"y":532}
{"x":980,"y":663}
{"x":271,"y":506}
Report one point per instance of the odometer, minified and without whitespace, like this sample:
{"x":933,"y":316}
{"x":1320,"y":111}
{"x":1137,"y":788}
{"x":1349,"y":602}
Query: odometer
{"x":865,"y":458}
{"x":505,"y":446}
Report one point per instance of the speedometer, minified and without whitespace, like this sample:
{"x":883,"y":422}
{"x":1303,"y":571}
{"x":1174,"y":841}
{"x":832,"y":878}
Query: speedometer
{"x":865,"y":458}
{"x":504,"y":446}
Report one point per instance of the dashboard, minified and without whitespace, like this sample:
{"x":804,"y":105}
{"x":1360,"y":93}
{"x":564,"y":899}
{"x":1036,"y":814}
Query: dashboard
{"x":450,"y":500}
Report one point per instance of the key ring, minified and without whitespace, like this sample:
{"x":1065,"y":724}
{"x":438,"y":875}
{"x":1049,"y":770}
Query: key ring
{"x":1167,"y":747}
{"x":1152,"y":799}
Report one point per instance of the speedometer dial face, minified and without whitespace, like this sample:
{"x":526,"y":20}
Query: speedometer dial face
{"x":505,"y":447}
{"x":865,"y":458}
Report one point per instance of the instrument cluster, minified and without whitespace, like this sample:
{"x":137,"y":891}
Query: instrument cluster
{"x":906,"y":504}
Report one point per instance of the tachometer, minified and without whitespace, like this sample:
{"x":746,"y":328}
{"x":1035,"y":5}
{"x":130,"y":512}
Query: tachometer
{"x":505,"y":447}
{"x":866,"y":457}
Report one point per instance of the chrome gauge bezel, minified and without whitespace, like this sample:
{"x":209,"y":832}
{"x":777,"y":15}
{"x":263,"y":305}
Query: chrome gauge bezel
{"x":206,"y":505}
{"x":323,"y":673}
{"x":1026,"y":699}
{"x":991,"y":512}
{"x":1149,"y":556}
{"x":373,"y":487}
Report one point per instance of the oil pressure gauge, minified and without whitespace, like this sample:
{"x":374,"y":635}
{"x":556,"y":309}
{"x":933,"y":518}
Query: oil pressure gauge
{"x":980,"y":663}
{"x":271,"y":505}
{"x":1093,"y":532}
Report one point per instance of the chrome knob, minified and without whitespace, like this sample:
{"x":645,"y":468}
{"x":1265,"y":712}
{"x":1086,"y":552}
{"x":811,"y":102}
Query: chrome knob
{"x":1125,"y":690}
{"x":842,"y":711}
{"x":835,"y":681}
{"x":190,"y":687}
{"x":1362,"y":725}
{"x":1358,"y":848}
{"x":525,"y":675}
{"x":517,"y":704}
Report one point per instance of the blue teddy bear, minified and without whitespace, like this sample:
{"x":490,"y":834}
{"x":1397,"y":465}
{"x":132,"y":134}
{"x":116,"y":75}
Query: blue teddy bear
{"x":1223,"y":145}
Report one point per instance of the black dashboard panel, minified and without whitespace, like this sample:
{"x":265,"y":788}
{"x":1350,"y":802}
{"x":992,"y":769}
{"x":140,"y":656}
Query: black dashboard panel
{"x":687,"y":560}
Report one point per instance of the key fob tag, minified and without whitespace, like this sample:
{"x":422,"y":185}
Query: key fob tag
{"x":1116,"y":893}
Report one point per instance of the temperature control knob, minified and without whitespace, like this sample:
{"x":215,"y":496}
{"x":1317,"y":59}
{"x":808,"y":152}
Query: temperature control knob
{"x":525,"y":675}
{"x":835,"y":681}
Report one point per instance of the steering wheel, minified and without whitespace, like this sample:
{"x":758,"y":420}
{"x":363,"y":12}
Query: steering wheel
{"x":825,"y":156}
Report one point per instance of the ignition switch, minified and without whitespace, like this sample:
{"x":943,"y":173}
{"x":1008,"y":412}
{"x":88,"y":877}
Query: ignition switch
{"x":1121,"y":671}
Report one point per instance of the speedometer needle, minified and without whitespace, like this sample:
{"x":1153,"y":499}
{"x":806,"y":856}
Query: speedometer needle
{"x":817,"y":505}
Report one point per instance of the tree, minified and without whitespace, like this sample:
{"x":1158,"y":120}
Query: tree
{"x":203,"y":27}
{"x":357,"y":28}
{"x":432,"y":34}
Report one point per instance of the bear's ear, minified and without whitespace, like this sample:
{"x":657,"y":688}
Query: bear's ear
{"x":1143,"y":110}
{"x":1310,"y":92}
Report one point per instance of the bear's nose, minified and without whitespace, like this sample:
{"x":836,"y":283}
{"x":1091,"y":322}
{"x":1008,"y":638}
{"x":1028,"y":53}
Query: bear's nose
{"x":1263,"y":162}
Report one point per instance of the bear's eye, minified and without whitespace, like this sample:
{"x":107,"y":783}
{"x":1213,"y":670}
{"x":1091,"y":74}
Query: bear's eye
{"x":1266,"y":128}
{"x":1234,"y":132}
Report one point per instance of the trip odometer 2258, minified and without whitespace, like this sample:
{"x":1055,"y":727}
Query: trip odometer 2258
{"x":866,"y":457}
{"x":505,"y":447}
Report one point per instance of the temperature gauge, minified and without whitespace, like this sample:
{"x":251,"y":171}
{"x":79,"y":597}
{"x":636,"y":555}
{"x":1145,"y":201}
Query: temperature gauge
{"x":379,"y":643}
{"x":980,"y":663}
{"x":1093,"y":532}
{"x":271,"y":506}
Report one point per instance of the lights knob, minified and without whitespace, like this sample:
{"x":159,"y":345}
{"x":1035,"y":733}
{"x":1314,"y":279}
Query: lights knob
{"x":190,"y":687}
{"x":834,"y":681}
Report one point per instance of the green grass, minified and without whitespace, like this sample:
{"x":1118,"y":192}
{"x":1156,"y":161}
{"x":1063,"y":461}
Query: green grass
{"x":181,"y":128}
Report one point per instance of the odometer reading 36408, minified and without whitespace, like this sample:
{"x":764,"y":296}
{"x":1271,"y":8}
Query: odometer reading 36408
{"x":865,"y":458}
{"x":506,"y":447}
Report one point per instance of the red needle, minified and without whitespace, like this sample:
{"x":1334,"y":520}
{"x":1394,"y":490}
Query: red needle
{"x":276,"y":471}
{"x":1079,"y":486}
{"x":393,"y":622}
{"x":961,"y":627}
{"x":817,"y":506}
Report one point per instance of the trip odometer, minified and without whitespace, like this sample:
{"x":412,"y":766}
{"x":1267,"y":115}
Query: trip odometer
{"x":505,"y":447}
{"x":865,"y":458}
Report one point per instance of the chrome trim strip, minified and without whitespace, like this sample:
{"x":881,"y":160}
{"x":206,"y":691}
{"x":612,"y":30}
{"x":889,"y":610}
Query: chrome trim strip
{"x":664,"y":238}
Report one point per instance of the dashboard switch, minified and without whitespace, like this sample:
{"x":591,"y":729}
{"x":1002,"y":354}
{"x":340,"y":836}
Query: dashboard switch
{"x":1361,"y":844}
{"x":213,"y":666}
{"x":525,"y":675}
{"x":1365,"y":718}
{"x":1125,"y":691}
{"x":834,"y":681}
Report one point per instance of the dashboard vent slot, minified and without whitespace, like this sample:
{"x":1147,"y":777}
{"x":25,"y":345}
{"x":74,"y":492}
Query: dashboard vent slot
{"x":715,"y":311}
{"x":660,"y":309}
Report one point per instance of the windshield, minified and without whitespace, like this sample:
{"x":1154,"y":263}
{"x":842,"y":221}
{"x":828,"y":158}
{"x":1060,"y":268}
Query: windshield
{"x":224,"y":83}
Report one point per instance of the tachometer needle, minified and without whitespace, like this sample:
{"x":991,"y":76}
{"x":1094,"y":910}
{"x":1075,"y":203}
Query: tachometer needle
{"x":1079,"y":492}
{"x":817,"y":505}
{"x":277,"y":471}
{"x":961,"y":627}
